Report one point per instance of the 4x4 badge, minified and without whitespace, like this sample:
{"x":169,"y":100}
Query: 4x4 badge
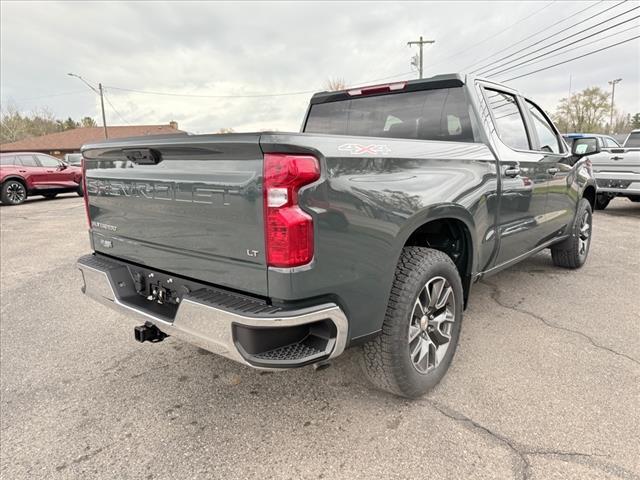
{"x":357,"y":149}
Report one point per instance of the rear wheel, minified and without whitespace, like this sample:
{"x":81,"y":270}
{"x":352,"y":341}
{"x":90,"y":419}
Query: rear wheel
{"x":572,"y":253}
{"x":421,"y":326}
{"x":602,"y":201}
{"x":79,"y":191}
{"x":13,"y":192}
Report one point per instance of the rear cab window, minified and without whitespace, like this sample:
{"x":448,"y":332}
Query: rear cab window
{"x":438,"y":114}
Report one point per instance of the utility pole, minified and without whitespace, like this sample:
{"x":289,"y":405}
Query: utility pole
{"x":104,"y":119}
{"x":613,"y":93}
{"x":99,"y":91}
{"x":420,"y":44}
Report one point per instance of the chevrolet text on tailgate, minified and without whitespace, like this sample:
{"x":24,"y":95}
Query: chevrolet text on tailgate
{"x":367,"y":229}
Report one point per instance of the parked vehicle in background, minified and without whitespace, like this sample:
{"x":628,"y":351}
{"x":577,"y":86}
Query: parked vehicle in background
{"x":604,"y":141}
{"x":25,"y":174}
{"x":616,"y":168}
{"x":73,"y":159}
{"x":368,"y":228}
{"x":633,"y":140}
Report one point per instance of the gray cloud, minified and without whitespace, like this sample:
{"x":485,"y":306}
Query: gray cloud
{"x":263,"y":47}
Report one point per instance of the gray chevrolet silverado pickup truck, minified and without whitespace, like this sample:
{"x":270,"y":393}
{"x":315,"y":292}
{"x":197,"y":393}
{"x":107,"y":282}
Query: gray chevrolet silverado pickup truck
{"x":367,"y":229}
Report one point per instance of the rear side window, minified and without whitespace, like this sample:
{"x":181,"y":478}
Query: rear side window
{"x":508,"y":119}
{"x":441,"y":114}
{"x":27,"y":160}
{"x":633,"y":140}
{"x":549,"y":142}
{"x":8,"y":160}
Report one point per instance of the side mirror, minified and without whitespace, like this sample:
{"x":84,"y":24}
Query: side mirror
{"x":63,"y":166}
{"x":585,"y":146}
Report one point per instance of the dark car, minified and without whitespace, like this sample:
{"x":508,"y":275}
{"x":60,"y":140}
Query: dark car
{"x":24,"y":174}
{"x":367,"y":229}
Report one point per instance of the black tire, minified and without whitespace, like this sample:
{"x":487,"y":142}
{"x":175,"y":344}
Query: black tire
{"x":79,"y":191}
{"x":602,"y":201}
{"x":573,"y":252}
{"x":386,"y":360}
{"x":13,"y":192}
{"x":634,"y":198}
{"x":50,"y":195}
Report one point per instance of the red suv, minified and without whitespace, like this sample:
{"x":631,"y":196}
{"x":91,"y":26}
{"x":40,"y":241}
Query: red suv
{"x":28,"y":173}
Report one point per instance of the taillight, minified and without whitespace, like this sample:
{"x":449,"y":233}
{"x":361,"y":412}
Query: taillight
{"x":85,"y":194}
{"x":288,"y":229}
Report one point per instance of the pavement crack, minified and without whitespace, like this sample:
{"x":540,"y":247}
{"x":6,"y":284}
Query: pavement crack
{"x":495,"y":295}
{"x":523,"y":469}
{"x":524,"y":454}
{"x":590,"y":460}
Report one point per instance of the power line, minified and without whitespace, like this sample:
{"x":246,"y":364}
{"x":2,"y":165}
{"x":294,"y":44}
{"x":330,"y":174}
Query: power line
{"x":532,"y":35}
{"x":170,"y":94}
{"x":476,"y":44}
{"x":512,"y":67}
{"x":484,"y":67}
{"x":115,"y":110}
{"x":572,"y":59}
{"x":256,"y":95}
{"x":597,"y":40}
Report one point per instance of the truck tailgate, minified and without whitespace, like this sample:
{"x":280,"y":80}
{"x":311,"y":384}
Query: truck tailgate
{"x":187,"y":205}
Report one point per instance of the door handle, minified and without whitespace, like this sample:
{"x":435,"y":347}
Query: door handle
{"x":22,"y":171}
{"x":552,"y":171}
{"x":512,"y":171}
{"x":617,"y":158}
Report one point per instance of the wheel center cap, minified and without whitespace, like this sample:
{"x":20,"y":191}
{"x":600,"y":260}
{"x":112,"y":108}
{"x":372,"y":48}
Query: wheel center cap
{"x":424,"y":322}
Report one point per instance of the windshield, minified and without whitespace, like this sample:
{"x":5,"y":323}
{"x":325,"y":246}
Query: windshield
{"x":633,"y":140}
{"x":441,"y":114}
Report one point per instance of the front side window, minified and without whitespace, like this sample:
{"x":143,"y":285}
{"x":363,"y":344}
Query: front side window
{"x":440,"y":114}
{"x":508,"y":119}
{"x":549,"y":142}
{"x":610,"y":143}
{"x":48,"y":162}
{"x":27,"y":160}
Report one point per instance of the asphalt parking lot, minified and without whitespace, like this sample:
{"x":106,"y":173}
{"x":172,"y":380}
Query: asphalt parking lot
{"x":545,"y":383}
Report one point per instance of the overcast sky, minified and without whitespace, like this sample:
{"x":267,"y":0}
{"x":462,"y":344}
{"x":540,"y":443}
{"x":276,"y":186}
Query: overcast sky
{"x":247,"y":48}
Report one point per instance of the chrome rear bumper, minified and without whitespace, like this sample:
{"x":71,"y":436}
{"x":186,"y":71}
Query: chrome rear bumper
{"x":211,"y":327}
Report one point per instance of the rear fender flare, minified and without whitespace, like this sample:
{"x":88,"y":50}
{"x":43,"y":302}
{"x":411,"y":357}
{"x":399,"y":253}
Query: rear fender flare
{"x":439,"y":212}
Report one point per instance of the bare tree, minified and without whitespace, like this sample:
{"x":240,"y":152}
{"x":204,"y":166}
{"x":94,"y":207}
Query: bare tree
{"x":335,"y":84}
{"x":226,"y":130}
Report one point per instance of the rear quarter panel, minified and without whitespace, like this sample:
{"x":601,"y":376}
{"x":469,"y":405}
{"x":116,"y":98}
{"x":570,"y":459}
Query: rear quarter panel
{"x":366,"y":205}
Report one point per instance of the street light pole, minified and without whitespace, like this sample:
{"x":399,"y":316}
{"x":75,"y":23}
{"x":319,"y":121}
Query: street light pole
{"x":99,"y":91}
{"x":613,"y":93}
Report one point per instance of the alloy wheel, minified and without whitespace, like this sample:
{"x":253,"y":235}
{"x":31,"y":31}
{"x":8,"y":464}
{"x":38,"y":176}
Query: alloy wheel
{"x":16,"y":192}
{"x":432,"y":320}
{"x":584,"y":235}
